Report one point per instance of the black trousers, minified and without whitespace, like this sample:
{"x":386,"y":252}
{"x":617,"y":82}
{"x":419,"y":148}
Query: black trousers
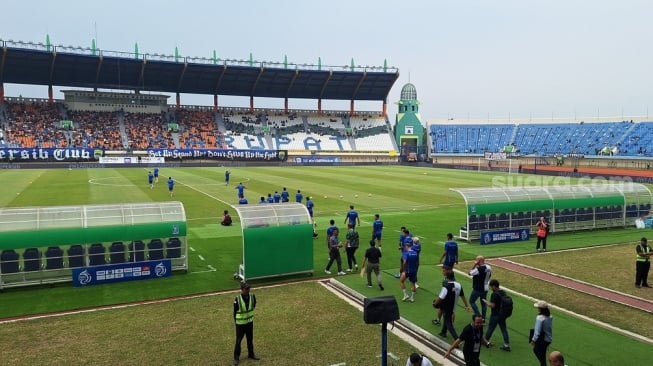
{"x":641,"y":273}
{"x":539,"y":349}
{"x":246,"y":330}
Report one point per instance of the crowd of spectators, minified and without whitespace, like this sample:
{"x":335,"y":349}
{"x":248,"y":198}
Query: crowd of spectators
{"x":147,"y":131}
{"x":198,"y":130}
{"x":38,"y":124}
{"x":95,"y":130}
{"x":34,"y":125}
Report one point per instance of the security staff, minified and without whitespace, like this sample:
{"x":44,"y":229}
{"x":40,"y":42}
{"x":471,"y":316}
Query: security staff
{"x":244,"y":306}
{"x":643,"y":265}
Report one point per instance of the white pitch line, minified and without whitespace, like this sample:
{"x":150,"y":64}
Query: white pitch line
{"x":200,"y":257}
{"x":191,"y":249}
{"x":205,"y":193}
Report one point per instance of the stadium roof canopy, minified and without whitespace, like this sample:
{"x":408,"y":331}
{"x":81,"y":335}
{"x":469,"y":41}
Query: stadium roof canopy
{"x":67,"y":66}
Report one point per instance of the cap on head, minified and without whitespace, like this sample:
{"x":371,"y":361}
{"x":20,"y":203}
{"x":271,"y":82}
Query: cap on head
{"x":541,"y":305}
{"x":644,"y":240}
{"x":244,"y":285}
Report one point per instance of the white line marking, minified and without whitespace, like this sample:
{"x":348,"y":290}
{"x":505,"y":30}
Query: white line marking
{"x":191,"y":249}
{"x":200,"y":257}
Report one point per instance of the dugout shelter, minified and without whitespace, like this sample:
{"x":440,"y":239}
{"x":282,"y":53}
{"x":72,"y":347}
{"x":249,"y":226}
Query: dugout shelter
{"x":40,"y":245}
{"x":566,"y":208}
{"x":277,"y":240}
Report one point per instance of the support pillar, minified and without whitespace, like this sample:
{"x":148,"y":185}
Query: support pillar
{"x":2,"y":93}
{"x":251,"y":104}
{"x":50,"y":94}
{"x":215,"y":103}
{"x":319,"y":107}
{"x":178,"y":97}
{"x":351,"y":108}
{"x":285,"y":106}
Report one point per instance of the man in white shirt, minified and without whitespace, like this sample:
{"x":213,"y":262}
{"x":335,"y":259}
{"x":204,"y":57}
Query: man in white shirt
{"x":418,"y":360}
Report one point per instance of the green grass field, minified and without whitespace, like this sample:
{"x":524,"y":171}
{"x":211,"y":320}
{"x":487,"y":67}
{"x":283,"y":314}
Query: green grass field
{"x":418,"y":198}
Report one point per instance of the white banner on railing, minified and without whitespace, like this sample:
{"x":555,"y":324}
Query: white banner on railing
{"x":132,"y":160}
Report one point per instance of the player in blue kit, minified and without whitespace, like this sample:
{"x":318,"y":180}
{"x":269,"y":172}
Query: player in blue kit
{"x":277,"y":197}
{"x":241,"y":189}
{"x":285,"y":196}
{"x":156,"y":174}
{"x":299,"y":196}
{"x":309,"y":207}
{"x":377,"y":230}
{"x":450,"y":254}
{"x":227,"y":174}
{"x":352,"y":217}
{"x":409,"y":261}
{"x":171,"y":186}
{"x":150,"y":179}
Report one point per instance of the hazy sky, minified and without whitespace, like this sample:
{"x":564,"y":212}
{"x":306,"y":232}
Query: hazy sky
{"x":467,"y":58}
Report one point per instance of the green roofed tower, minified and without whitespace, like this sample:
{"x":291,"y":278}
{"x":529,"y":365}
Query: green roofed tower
{"x":409,"y":131}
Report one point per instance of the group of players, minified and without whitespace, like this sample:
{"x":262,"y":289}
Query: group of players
{"x":153,"y":178}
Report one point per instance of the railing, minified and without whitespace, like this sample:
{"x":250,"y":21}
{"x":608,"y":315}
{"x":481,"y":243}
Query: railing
{"x":195,"y":59}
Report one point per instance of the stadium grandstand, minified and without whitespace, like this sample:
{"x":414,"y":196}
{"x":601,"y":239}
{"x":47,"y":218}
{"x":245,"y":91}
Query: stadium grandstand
{"x":139,"y":117}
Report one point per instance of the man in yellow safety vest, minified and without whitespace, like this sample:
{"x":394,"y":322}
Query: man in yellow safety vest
{"x":244,"y":306}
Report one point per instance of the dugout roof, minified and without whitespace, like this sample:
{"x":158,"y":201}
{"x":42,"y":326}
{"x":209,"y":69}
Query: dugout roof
{"x":509,"y":199}
{"x":67,"y":66}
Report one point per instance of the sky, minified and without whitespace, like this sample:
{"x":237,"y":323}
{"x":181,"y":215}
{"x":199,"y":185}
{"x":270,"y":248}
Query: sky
{"x":468,"y":59}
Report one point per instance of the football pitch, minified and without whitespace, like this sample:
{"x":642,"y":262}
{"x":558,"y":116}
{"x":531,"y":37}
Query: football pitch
{"x":418,"y":198}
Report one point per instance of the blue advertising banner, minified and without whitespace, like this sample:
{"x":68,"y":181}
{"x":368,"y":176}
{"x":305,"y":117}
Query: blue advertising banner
{"x":18,"y":155}
{"x":97,"y":275}
{"x":504,"y":235}
{"x":219,"y":154}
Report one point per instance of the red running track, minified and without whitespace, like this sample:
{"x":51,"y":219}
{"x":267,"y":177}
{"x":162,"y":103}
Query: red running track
{"x":614,"y":296}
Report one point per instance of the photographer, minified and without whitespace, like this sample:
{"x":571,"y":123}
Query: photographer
{"x":542,"y":233}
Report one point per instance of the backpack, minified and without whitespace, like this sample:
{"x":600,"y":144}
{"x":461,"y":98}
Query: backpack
{"x":505,"y":310}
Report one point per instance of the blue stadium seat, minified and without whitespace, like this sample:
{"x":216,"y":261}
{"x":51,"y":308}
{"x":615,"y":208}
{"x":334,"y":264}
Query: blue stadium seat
{"x":31,"y":260}
{"x":155,"y":249}
{"x":173,"y":247}
{"x":97,"y":255}
{"x":117,"y":252}
{"x":137,"y":251}
{"x":76,"y":256}
{"x":9,"y":261}
{"x":53,"y":258}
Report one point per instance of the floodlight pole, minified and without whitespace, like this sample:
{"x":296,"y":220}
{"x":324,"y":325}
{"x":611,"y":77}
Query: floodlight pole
{"x":384,"y":344}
